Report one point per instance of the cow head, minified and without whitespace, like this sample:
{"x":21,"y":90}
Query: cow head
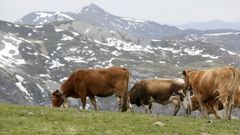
{"x":187,"y":81}
{"x":133,"y":99}
{"x":194,"y":105}
{"x":57,"y":98}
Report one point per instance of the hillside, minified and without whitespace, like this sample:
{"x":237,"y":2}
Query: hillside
{"x":45,"y":120}
{"x":35,"y":59}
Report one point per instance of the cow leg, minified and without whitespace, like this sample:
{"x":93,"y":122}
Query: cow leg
{"x":146,"y":109}
{"x":83,"y":100}
{"x":203,"y":108}
{"x":121,"y":89}
{"x":93,"y":101}
{"x":122,"y":99}
{"x":150,"y":107}
{"x":176,"y":102}
{"x":145,"y":106}
{"x":119,"y":101}
{"x":177,"y":107}
{"x":215,"y":110}
{"x":231,"y":105}
{"x":130,"y":105}
{"x":230,"y":111}
{"x":227,"y":105}
{"x":189,"y":109}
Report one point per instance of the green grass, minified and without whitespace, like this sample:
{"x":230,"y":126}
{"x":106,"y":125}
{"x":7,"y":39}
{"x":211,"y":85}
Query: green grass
{"x":32,"y":120}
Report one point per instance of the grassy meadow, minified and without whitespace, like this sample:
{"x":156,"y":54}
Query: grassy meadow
{"x":33,"y":120}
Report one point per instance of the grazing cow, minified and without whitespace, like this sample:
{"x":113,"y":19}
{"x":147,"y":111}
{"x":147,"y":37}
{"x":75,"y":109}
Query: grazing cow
{"x":213,"y":85}
{"x":194,"y":105}
{"x":100,"y":82}
{"x":161,"y":91}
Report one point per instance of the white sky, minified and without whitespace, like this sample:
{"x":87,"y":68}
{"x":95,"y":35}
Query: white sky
{"x":173,"y":12}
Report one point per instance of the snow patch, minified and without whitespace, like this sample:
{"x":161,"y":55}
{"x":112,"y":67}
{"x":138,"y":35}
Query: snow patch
{"x":209,"y":61}
{"x":124,"y":46}
{"x":174,"y":51}
{"x":56,"y":63}
{"x":192,"y":51}
{"x":41,"y":89}
{"x":229,"y":52}
{"x":20,"y":86}
{"x":62,"y":17}
{"x":58,"y":48}
{"x":134,"y":20}
{"x":75,"y":34}
{"x":87,"y":30}
{"x":66,"y":37}
{"x":116,"y":53}
{"x":222,"y":34}
{"x":162,"y":62}
{"x":59,"y":30}
{"x":76,"y":59}
{"x":210,"y":56}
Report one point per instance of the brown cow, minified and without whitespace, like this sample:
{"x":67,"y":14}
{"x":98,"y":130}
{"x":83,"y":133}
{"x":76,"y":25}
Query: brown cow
{"x":100,"y":82}
{"x":194,"y":105}
{"x":217,"y":83}
{"x":210,"y":106}
{"x":160,"y":91}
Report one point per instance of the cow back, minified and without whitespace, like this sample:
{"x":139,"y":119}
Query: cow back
{"x":207,"y":82}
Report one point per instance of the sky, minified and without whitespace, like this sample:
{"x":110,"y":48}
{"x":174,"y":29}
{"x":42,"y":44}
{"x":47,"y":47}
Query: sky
{"x":172,"y":12}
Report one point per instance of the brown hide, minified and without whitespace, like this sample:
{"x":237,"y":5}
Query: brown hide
{"x":158,"y":89}
{"x":208,"y":85}
{"x":100,"y":82}
{"x":210,"y":104}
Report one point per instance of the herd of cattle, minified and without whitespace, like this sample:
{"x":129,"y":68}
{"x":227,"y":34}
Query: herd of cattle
{"x":211,"y":90}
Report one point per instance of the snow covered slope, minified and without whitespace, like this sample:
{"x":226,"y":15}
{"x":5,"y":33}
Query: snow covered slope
{"x":35,"y":60}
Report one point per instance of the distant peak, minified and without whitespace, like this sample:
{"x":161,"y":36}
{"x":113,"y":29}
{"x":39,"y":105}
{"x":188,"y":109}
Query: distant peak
{"x":93,"y":7}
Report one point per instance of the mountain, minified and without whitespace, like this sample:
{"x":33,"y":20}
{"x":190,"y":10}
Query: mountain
{"x":94,"y":15}
{"x":215,"y":24}
{"x":35,"y":59}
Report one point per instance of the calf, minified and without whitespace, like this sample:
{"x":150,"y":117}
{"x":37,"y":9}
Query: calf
{"x":194,"y":105}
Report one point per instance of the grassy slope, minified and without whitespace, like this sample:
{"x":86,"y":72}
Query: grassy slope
{"x":25,"y":120}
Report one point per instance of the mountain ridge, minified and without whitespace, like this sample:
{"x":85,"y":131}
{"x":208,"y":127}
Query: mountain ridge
{"x":211,"y":25}
{"x":95,"y":15}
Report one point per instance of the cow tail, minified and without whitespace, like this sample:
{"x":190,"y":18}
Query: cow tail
{"x":235,"y":83}
{"x":126,"y":98}
{"x":233,"y":90}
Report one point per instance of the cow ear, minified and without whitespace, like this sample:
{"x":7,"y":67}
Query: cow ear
{"x":184,"y":72}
